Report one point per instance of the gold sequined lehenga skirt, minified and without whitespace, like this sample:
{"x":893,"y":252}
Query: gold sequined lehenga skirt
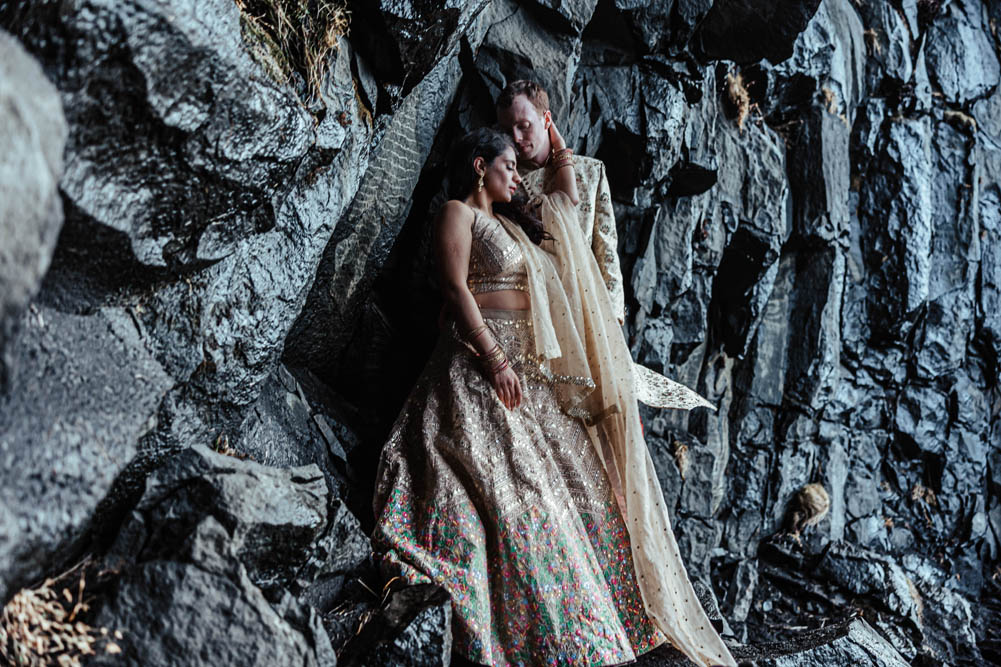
{"x":511,"y":512}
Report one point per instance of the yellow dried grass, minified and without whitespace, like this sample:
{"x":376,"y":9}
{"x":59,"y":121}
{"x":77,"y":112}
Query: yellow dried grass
{"x":42,"y":626}
{"x":739,"y":97}
{"x":289,"y":36}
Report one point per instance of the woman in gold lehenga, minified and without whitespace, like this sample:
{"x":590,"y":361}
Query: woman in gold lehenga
{"x":516,"y":476}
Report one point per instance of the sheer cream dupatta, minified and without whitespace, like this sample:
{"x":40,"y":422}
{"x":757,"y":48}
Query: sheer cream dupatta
{"x":582,"y":348}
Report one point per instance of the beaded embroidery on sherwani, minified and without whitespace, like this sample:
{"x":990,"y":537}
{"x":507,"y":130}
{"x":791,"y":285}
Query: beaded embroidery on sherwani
{"x":510,"y":511}
{"x":595,"y":215}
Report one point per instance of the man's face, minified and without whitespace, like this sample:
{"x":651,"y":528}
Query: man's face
{"x":528,"y":129}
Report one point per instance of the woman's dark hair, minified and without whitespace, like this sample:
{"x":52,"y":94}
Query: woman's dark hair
{"x":488,"y":143}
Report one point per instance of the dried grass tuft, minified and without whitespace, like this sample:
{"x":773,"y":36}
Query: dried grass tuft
{"x":222,"y":446}
{"x":41,"y":626}
{"x":294,"y":36}
{"x":739,"y":97}
{"x":960,"y":119}
{"x":922,"y":492}
{"x":832,"y":105}
{"x":872,"y":42}
{"x":681,"y":458}
{"x":809,"y":507}
{"x":919,"y":605}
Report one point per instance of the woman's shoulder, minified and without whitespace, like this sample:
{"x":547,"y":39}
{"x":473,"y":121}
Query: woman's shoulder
{"x":456,"y":211}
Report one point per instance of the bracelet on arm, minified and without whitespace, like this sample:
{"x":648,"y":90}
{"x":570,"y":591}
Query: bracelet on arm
{"x":500,"y":367}
{"x":561,"y":152}
{"x":492,"y":355}
{"x":472,"y":335}
{"x":494,"y":361}
{"x":560,"y":158}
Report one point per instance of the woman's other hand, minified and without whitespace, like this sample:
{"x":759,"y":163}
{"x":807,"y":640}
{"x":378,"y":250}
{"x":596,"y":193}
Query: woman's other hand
{"x":565,"y":179}
{"x":508,"y":387}
{"x":555,"y":138}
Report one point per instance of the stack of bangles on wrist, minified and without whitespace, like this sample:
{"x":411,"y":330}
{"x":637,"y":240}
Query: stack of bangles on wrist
{"x":561,"y":158}
{"x":494,"y":360}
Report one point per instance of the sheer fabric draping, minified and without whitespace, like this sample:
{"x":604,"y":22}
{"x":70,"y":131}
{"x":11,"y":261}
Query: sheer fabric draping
{"x":581,"y":346}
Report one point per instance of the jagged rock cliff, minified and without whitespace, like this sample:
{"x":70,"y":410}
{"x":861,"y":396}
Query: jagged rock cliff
{"x":809,"y":213}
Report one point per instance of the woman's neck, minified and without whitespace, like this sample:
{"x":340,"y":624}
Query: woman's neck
{"x":481,"y":201}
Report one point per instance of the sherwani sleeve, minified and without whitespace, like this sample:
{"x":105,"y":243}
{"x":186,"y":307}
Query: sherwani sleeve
{"x":605,"y":245}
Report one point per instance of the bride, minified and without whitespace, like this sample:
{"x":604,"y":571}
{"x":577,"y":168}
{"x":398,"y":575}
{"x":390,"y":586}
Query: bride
{"x":516,"y":475}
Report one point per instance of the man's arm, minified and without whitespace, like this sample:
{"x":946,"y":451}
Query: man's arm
{"x":605,"y":246}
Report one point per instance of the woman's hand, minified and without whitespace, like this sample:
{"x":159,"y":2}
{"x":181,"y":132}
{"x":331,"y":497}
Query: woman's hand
{"x":508,"y":387}
{"x":555,"y":138}
{"x":565,"y":180}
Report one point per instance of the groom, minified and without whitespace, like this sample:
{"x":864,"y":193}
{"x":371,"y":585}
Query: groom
{"x":523,"y":112}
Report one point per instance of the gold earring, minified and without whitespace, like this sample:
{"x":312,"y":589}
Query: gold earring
{"x":479,"y":184}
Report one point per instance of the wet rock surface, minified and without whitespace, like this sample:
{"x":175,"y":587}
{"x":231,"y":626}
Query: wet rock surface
{"x":201,"y":371}
{"x":66,"y":433}
{"x":207,"y":562}
{"x":32,"y":137}
{"x":169,"y":611}
{"x":273,"y":516}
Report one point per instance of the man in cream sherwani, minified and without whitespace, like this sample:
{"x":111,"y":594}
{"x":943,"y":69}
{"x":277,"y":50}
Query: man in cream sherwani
{"x":523,"y":112}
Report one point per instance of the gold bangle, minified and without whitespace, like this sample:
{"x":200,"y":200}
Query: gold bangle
{"x":495,"y":353}
{"x":500,"y":367}
{"x":476,"y":332}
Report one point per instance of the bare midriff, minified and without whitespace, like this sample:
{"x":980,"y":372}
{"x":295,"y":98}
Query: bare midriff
{"x":508,"y":299}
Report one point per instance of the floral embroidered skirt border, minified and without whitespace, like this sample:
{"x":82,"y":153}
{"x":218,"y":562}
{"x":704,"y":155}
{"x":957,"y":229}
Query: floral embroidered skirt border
{"x":511,"y":512}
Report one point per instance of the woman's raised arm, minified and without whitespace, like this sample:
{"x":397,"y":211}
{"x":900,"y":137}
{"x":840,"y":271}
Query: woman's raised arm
{"x":565,"y":179}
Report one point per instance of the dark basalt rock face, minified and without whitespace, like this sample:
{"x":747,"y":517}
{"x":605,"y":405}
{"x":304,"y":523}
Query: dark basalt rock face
{"x":746,"y":31}
{"x":808,"y":199}
{"x":85,"y":393}
{"x":32,"y":138}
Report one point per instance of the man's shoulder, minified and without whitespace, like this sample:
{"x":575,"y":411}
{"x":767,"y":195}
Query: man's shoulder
{"x":589,"y":173}
{"x":590,"y":162}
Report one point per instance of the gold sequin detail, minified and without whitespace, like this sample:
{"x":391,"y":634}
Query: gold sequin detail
{"x":511,"y":512}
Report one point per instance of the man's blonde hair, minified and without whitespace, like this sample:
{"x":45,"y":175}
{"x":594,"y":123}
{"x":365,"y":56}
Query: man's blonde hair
{"x":535,"y":93}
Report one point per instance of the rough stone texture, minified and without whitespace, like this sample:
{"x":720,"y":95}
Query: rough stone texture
{"x":425,"y":642}
{"x":962,"y":56}
{"x":32,"y":136}
{"x":411,"y":626}
{"x":342,"y":553}
{"x":170,"y":611}
{"x":87,"y":389}
{"x":206,"y":561}
{"x":283,"y":431}
{"x":859,"y":645}
{"x":272,"y":516}
{"x":198,"y":191}
{"x":520,"y":45}
{"x":404,"y":40}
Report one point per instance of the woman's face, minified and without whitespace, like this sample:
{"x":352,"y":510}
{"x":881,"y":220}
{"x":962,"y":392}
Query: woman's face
{"x":501,"y":178}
